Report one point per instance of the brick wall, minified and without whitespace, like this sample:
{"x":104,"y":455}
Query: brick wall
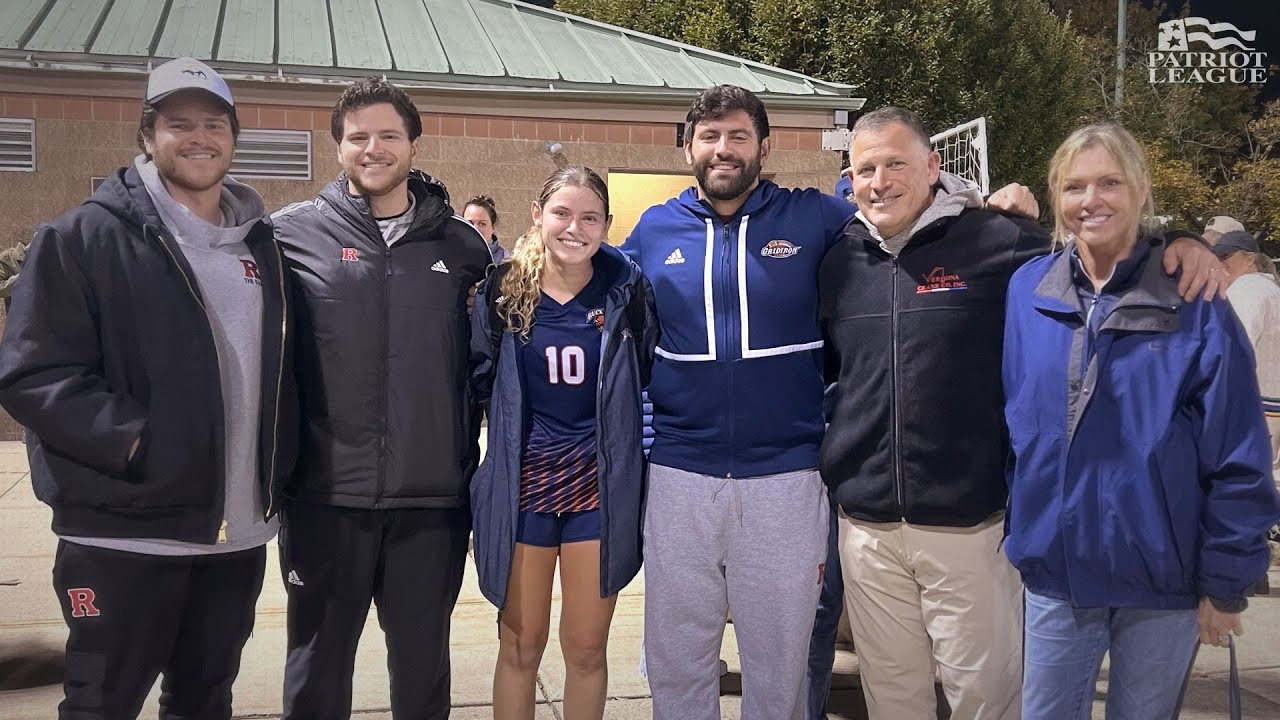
{"x":78,"y":138}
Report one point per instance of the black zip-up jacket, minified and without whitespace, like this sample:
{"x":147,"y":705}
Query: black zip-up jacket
{"x":383,"y":341}
{"x":108,"y":341}
{"x":914,"y":344}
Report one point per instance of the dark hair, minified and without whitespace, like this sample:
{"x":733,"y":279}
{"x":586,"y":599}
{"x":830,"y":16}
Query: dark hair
{"x":885,"y":116}
{"x":374,"y":91}
{"x":486,"y":202}
{"x":716,"y":102}
{"x":147,"y":126}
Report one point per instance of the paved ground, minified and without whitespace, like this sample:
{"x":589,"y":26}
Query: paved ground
{"x":32,"y":636}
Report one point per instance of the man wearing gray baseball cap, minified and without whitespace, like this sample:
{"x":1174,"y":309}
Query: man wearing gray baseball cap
{"x":1218,"y":226}
{"x":149,"y":353}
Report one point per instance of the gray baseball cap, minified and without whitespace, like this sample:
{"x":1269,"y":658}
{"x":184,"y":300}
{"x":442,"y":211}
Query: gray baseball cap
{"x":1223,"y":224}
{"x":186,"y":73}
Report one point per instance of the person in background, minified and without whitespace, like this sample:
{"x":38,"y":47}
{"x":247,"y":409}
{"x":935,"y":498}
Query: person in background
{"x":149,"y":354}
{"x":562,"y":344}
{"x":1218,"y":226}
{"x":1255,"y":297}
{"x":844,"y":186}
{"x":1140,"y":484}
{"x":10,"y":266}
{"x":826,"y":624}
{"x":482,"y":213}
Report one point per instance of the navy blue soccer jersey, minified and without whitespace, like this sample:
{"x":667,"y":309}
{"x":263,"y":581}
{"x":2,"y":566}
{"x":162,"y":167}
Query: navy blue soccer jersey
{"x":560,"y":366}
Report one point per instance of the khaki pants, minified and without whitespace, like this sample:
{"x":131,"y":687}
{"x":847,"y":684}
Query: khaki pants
{"x":921,"y":598}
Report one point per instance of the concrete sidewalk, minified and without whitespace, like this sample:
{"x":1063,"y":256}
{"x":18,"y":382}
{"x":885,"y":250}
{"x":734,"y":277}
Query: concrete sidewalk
{"x":32,"y":636}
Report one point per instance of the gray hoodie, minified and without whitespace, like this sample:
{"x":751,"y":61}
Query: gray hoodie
{"x":232,"y":292}
{"x":953,"y":195}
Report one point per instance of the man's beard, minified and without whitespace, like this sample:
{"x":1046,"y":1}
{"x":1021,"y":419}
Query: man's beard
{"x":728,"y":189}
{"x":379,"y":188}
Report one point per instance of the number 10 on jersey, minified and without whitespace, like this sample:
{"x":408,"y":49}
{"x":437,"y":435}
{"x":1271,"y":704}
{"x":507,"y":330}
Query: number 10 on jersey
{"x":567,"y":364}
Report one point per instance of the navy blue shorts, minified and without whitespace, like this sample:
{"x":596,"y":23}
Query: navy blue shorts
{"x":555,"y":529}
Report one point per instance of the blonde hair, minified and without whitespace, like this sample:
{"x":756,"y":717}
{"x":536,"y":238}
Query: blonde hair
{"x":1265,"y":265}
{"x":1122,"y":146}
{"x":521,"y":287}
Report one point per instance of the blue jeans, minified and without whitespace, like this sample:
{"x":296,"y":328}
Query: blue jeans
{"x":822,"y":644}
{"x":1151,"y":654}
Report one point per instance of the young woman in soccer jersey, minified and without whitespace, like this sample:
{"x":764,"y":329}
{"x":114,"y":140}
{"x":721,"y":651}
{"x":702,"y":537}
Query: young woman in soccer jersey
{"x":562,"y":342}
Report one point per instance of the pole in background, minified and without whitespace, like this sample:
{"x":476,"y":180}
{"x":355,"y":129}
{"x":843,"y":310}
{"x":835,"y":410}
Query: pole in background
{"x":1120,"y":40}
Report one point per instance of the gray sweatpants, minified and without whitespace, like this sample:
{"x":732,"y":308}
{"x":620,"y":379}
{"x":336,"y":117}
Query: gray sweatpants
{"x":755,"y":546}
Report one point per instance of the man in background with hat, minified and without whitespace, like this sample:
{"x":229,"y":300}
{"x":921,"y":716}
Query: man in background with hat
{"x":148,"y":354}
{"x":1218,"y":226}
{"x":1255,"y":297}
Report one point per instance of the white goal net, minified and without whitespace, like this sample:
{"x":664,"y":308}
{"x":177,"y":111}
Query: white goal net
{"x":964,"y":152}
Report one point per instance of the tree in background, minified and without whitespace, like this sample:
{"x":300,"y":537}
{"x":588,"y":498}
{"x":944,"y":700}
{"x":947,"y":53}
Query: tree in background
{"x":950,"y":60}
{"x":1035,"y":68}
{"x":1252,"y":195}
{"x":1196,"y":134}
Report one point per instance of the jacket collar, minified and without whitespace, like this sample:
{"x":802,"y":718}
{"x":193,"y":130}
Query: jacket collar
{"x":431,"y":201}
{"x":124,"y":194}
{"x":1149,"y":304}
{"x":761,"y":196}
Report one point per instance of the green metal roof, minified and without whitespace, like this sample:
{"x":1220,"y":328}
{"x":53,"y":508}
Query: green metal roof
{"x":484,"y":44}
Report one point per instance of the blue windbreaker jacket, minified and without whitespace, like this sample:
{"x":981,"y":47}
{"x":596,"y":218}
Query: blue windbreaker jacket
{"x":737,"y":383}
{"x":627,"y":342}
{"x":1141,"y":472}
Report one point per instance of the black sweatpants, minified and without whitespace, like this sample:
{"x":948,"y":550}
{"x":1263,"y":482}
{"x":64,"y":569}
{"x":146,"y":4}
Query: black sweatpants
{"x":334,"y":561}
{"x":134,"y":617}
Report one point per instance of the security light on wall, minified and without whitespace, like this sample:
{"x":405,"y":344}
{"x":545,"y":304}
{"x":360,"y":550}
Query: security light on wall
{"x":555,"y":151}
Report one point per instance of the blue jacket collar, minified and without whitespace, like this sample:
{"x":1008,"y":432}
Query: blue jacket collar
{"x":1056,"y":292}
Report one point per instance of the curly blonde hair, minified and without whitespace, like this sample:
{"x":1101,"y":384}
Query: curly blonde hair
{"x":521,"y":287}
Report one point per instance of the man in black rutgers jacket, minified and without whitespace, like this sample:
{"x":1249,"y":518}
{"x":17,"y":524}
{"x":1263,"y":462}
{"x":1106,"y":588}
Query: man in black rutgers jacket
{"x":378,"y":507}
{"x":912,"y":301}
{"x":149,"y":354}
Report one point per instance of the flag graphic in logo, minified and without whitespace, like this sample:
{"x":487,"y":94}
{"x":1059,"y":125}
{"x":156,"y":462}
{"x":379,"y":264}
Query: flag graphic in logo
{"x":1177,"y":35}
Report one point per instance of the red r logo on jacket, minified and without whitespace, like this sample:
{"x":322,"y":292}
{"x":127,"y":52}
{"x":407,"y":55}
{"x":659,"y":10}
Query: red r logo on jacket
{"x":251,"y":270}
{"x":349,"y":255}
{"x":82,"y":603}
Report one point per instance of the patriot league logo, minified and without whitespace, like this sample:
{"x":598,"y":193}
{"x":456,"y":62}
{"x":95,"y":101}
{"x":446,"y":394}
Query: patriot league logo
{"x":1231,"y":58}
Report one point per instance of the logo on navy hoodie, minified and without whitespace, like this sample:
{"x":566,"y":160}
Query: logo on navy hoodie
{"x":779,"y":249}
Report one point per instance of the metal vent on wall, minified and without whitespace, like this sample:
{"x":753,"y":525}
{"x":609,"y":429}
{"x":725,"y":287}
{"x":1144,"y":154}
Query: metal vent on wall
{"x":17,"y":144}
{"x":284,"y":154}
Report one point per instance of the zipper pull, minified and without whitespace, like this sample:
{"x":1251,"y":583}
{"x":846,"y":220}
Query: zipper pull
{"x":222,"y":532}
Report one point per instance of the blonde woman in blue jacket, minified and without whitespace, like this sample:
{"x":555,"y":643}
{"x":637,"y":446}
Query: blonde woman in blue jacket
{"x":1140,"y":491}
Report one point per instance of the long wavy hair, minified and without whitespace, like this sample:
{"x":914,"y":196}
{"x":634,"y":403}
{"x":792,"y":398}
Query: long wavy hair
{"x":521,"y":287}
